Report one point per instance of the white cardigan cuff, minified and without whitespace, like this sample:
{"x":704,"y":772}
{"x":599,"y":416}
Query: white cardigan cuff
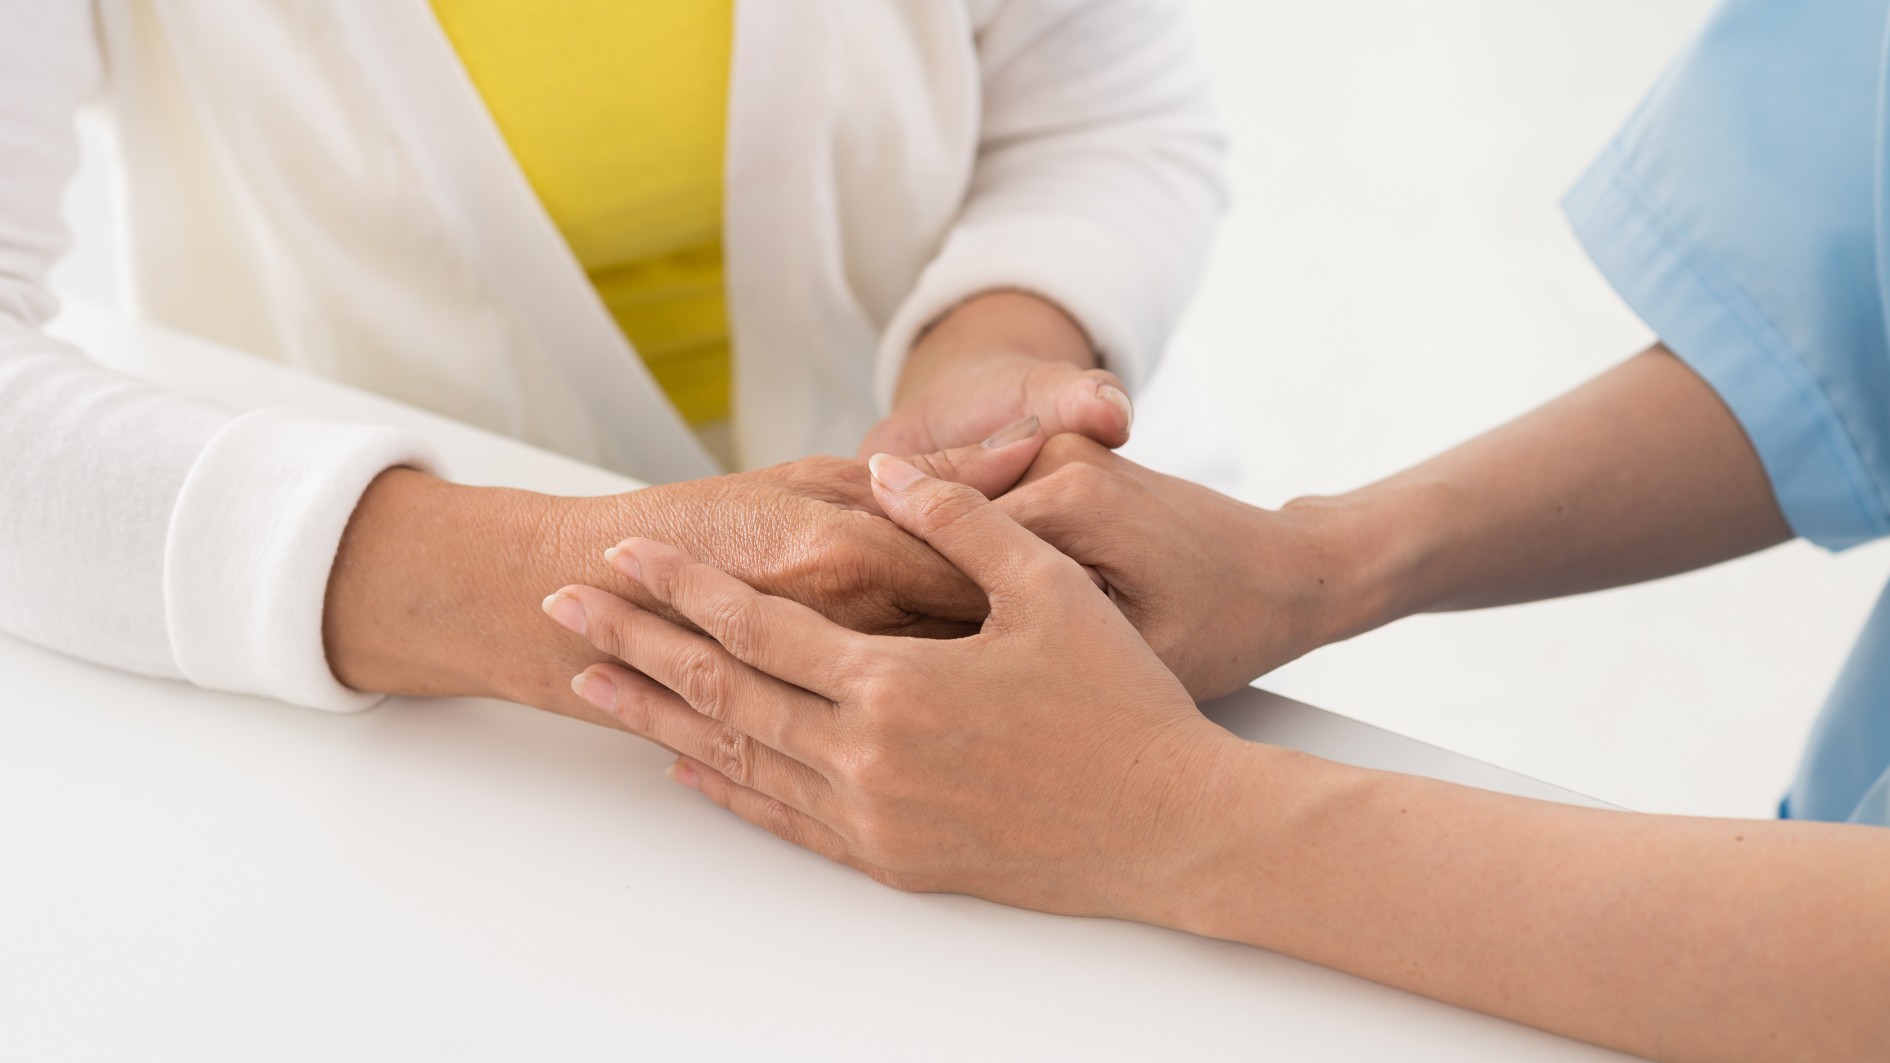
{"x":251,"y":542}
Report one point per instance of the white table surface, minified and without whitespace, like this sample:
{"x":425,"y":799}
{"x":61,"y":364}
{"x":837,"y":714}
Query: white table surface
{"x":193,"y":875}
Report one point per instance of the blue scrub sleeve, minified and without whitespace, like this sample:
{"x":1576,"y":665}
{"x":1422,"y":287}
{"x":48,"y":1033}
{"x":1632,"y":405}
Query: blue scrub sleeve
{"x":1737,"y":215}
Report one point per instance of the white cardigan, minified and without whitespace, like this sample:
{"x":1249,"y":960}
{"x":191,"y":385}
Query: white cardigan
{"x":318,"y":182}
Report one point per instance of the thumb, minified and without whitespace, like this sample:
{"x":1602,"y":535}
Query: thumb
{"x":991,"y":467}
{"x":970,"y":532}
{"x":1088,"y":403}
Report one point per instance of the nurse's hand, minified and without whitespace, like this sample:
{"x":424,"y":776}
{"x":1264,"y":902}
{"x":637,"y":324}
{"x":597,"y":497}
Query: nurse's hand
{"x":995,"y":359}
{"x":436,"y":585}
{"x":1222,"y":590}
{"x":1048,"y":761}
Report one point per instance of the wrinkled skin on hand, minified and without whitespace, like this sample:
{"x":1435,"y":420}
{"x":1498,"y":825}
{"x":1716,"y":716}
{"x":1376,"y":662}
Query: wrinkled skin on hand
{"x":810,"y":531}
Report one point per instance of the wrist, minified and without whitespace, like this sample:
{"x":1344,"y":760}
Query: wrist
{"x":996,"y":325}
{"x":1248,"y":821}
{"x":436,"y":586}
{"x":1268,"y":812}
{"x":1377,"y":546}
{"x":417,"y":558}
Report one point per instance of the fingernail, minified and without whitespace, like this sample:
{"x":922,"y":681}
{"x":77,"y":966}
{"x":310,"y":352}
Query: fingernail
{"x":894,"y":474}
{"x":1009,"y":434}
{"x":625,"y":562}
{"x":595,"y":689}
{"x":1116,"y":397}
{"x":684,"y":774}
{"x":566,"y":610}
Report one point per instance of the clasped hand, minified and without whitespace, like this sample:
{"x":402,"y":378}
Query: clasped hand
{"x":938,"y":765}
{"x":958,"y":764}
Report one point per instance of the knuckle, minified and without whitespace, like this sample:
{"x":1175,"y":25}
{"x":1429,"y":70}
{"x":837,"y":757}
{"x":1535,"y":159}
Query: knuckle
{"x":845,"y":561}
{"x":1034,"y":506}
{"x":699,"y":680}
{"x":857,"y":765}
{"x":778,"y":819}
{"x":660,"y":576}
{"x":634,"y":709}
{"x":1084,"y":479}
{"x":1048,"y":568}
{"x":867,"y":770}
{"x":1067,"y":448}
{"x":1022,"y":498}
{"x":876,"y":774}
{"x":879,"y":681}
{"x":735,"y":621}
{"x":1040,"y":565}
{"x":732,"y":754}
{"x":832,"y":572}
{"x":871,"y":684}
{"x":1075,"y":486}
{"x":866,"y":576}
{"x":687,"y":580}
{"x":606,"y":628}
{"x":947,"y":505}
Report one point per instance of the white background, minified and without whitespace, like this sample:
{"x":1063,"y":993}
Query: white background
{"x":1394,"y":278}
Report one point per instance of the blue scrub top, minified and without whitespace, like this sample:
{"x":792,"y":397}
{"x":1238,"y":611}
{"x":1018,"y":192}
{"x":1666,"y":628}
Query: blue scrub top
{"x":1741,"y":214}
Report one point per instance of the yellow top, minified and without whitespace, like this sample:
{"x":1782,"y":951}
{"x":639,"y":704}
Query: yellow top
{"x":616,"y":110}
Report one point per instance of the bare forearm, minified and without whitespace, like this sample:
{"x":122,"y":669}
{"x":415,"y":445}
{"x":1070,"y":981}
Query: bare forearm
{"x":436,"y":586}
{"x":1638,"y":474}
{"x":1687,"y":939}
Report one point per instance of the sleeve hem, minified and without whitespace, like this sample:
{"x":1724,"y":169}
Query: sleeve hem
{"x":251,"y":542}
{"x":1707,"y":320}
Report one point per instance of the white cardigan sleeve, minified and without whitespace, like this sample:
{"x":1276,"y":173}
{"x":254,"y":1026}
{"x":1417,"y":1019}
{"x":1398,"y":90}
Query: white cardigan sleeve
{"x":138,"y":527}
{"x":1097,"y":182}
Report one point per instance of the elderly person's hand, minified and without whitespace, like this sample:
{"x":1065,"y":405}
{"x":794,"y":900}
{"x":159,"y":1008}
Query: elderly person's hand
{"x":1222,"y":590}
{"x":810,"y":530}
{"x":1049,"y":761}
{"x":994,"y":360}
{"x":459,"y":618}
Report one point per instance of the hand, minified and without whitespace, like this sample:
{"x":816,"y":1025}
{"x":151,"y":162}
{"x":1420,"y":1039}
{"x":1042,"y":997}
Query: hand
{"x":433,"y":587}
{"x":1223,"y":591}
{"x":810,"y":530}
{"x":996,"y":359}
{"x":1048,"y":761}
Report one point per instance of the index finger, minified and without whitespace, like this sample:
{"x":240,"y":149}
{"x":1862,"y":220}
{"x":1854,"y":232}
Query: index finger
{"x":1000,"y":557}
{"x":783,"y":638}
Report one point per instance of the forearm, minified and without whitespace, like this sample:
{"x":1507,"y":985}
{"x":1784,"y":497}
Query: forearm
{"x":1688,"y":939}
{"x":1638,"y":474}
{"x":436,"y":586}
